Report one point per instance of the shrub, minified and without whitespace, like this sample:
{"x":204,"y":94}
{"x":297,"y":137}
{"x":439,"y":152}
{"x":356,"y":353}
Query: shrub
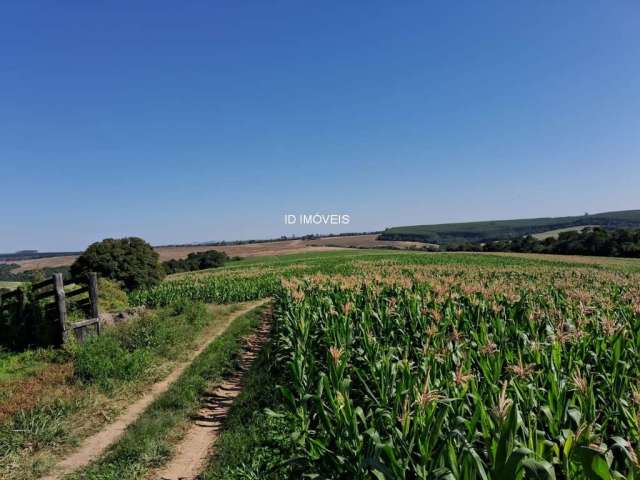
{"x":103,"y":359}
{"x":131,"y":261}
{"x":111,"y":296}
{"x":127,"y":351}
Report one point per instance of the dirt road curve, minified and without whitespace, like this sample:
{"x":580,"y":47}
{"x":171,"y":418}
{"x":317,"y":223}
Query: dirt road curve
{"x":93,"y":447}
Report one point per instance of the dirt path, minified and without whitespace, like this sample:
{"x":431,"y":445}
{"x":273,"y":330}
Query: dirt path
{"x":93,"y":447}
{"x":194,"y":450}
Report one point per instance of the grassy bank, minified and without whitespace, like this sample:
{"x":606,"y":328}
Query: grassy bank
{"x":52,"y":399}
{"x":148,"y":442}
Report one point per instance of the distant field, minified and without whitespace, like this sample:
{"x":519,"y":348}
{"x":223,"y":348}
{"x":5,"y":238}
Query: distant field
{"x":10,"y":285}
{"x":363,"y":241}
{"x":39,"y":263}
{"x":558,"y":231}
{"x":625,"y":263}
{"x":477,"y":232}
{"x":284,"y":247}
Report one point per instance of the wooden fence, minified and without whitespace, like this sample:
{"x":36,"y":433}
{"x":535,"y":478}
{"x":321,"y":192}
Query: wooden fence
{"x":52,"y":293}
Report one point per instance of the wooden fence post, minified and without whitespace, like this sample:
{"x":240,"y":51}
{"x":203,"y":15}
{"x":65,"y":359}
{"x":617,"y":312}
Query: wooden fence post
{"x":22,"y":304}
{"x":58,"y":288}
{"x":93,"y":297}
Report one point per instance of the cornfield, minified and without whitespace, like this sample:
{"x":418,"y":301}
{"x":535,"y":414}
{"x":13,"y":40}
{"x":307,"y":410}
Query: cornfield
{"x":447,"y":367}
{"x":454,"y":373}
{"x":210,"y":289}
{"x":263,"y":279}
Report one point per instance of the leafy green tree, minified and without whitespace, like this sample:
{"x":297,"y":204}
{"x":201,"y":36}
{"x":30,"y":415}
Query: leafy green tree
{"x":131,"y":261}
{"x":197,"y":261}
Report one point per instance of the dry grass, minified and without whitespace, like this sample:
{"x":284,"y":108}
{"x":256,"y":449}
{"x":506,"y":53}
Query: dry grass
{"x":53,"y":382}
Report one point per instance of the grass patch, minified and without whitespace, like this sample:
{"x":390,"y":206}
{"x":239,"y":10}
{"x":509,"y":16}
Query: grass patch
{"x":14,"y":366}
{"x":32,"y":431}
{"x":111,"y":297}
{"x":148,"y":442}
{"x":39,"y":427}
{"x":127,"y":352}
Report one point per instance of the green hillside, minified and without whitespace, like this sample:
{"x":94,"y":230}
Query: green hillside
{"x":448,"y":233}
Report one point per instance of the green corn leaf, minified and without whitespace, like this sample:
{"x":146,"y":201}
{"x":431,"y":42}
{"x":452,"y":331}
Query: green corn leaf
{"x":506,"y":441}
{"x":594,"y":465}
{"x":538,"y":469}
{"x":514,"y":464}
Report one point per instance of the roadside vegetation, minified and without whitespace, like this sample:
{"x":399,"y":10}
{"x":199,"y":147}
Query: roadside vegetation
{"x":51,"y":398}
{"x":131,"y":350}
{"x":149,"y":442}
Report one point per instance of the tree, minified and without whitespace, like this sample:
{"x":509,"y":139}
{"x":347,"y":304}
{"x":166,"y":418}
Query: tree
{"x":196,"y":261}
{"x":131,"y":261}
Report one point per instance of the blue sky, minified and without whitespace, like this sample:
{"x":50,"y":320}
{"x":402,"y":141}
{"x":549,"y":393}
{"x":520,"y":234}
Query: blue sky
{"x":194,"y":121}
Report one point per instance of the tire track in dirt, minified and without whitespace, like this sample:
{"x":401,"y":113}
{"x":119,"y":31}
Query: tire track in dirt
{"x":192,"y":453}
{"x":94,"y":446}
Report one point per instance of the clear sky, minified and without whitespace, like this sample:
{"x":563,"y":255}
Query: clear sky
{"x":209,"y":120}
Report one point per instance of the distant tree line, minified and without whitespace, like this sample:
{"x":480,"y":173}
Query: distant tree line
{"x":32,"y":255}
{"x":590,"y":241}
{"x":313,"y":236}
{"x":197,"y":261}
{"x":491,"y":231}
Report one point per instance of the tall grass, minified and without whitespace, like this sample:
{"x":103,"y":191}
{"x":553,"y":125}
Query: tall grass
{"x":127,"y":352}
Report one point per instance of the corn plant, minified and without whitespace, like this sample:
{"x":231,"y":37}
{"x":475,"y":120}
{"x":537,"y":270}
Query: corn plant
{"x":463,"y":375}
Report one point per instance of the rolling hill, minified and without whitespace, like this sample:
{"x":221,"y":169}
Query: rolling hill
{"x":477,"y":232}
